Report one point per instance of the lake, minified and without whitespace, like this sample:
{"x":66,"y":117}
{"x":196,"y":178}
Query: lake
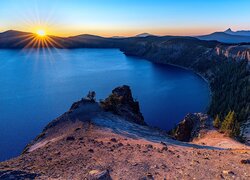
{"x":38,"y":86}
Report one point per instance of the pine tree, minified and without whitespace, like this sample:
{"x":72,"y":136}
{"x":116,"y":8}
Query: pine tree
{"x":230,"y":126}
{"x":217,"y":122}
{"x":226,"y":122}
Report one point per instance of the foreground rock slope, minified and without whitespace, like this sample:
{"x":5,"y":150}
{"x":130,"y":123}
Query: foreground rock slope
{"x":109,"y":140}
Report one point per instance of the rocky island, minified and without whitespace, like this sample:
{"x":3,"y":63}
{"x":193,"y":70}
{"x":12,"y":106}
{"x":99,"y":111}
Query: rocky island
{"x":110,"y":140}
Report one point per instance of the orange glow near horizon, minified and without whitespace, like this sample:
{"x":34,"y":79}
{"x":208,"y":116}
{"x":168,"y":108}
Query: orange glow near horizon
{"x":61,"y":32}
{"x":107,"y":19}
{"x":39,"y":39}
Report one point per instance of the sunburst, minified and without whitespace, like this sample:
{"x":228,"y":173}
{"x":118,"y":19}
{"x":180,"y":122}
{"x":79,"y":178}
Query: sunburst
{"x":38,"y":40}
{"x":41,"y":32}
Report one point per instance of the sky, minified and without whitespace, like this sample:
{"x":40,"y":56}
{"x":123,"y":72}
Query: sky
{"x":124,"y":17}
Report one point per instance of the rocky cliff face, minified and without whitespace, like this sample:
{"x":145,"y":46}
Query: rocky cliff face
{"x":186,"y":51}
{"x":235,"y":52}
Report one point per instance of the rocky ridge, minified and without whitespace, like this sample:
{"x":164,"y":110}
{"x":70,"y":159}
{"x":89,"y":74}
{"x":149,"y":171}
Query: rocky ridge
{"x":236,"y":52}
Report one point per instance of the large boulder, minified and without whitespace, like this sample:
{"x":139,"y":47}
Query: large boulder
{"x":121,"y":102}
{"x":191,"y":127}
{"x":99,"y":175}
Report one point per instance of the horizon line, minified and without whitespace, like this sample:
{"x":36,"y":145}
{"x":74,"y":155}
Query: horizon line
{"x":122,"y":36}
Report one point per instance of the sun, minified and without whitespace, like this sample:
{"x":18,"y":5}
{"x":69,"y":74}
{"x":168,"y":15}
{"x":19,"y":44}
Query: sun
{"x":41,"y":32}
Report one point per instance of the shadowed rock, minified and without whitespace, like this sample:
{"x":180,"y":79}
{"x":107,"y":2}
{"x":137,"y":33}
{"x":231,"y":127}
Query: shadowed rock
{"x":6,"y":175}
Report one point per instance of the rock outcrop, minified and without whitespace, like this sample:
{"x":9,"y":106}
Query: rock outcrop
{"x":121,"y":102}
{"x":235,"y":52}
{"x":192,"y":126}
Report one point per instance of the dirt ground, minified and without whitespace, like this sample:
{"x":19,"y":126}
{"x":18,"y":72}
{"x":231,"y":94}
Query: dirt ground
{"x":73,"y":150}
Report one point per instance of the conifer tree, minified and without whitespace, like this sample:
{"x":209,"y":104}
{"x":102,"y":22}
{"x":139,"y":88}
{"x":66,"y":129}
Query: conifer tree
{"x":230,"y":126}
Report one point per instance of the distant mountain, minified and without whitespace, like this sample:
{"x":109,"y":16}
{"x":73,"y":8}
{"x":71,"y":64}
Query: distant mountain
{"x":16,"y":40}
{"x":144,"y":35}
{"x":238,"y":33}
{"x":227,"y":36}
{"x":13,"y":33}
{"x":85,"y":36}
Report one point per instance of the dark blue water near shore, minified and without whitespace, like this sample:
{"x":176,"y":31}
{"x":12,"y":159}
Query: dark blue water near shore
{"x":36,"y":87}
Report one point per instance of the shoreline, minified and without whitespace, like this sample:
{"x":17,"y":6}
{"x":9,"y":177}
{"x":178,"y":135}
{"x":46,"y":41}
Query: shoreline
{"x":188,"y":69}
{"x":197,"y":73}
{"x":244,"y":133}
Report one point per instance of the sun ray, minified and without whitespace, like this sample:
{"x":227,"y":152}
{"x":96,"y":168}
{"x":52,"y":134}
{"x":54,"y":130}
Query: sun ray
{"x":55,"y":42}
{"x":30,"y":37}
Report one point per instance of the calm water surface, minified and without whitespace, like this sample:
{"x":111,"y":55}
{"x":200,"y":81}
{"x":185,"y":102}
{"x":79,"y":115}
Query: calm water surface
{"x":36,"y":87}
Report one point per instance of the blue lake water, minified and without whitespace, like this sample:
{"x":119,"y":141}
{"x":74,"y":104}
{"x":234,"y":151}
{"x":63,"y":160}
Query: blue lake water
{"x":38,"y":86}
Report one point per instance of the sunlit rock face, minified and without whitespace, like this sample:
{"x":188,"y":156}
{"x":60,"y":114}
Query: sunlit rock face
{"x":236,"y":52}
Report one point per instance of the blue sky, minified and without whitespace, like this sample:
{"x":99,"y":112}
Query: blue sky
{"x":124,"y":17}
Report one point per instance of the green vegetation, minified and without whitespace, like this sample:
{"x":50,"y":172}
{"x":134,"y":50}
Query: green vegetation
{"x":230,"y":125}
{"x":231,"y":100}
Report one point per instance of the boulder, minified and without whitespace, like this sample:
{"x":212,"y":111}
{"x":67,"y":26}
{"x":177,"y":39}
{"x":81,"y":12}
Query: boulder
{"x":245,"y":161}
{"x":191,"y":126}
{"x":99,"y":175}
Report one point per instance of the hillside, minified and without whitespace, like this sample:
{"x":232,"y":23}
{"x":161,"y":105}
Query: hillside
{"x":109,"y":140}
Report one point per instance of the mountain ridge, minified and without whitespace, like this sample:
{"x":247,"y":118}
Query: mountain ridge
{"x":240,"y":32}
{"x":228,"y":36}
